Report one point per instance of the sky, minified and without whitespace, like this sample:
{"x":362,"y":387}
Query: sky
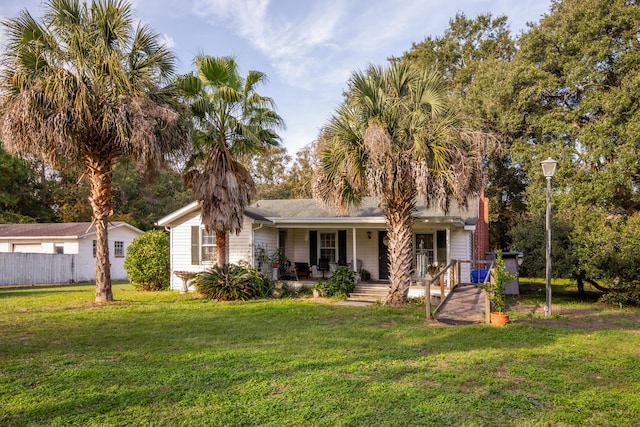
{"x":307,"y":48}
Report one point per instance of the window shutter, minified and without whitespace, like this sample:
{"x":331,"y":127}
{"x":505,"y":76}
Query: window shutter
{"x":313,"y":247}
{"x":342,"y":246}
{"x":195,"y":245}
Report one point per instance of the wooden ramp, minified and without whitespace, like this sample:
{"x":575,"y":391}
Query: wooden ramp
{"x":464,"y":306}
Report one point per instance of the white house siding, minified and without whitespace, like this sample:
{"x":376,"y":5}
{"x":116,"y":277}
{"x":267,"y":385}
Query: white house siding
{"x":86,"y":263}
{"x":180,"y":258}
{"x":459,"y":250}
{"x":82,"y":264}
{"x":366,"y":251}
{"x":266,"y":237}
{"x":119,"y":234}
{"x":239,"y":246}
{"x":27,"y":248}
{"x":298,"y":245}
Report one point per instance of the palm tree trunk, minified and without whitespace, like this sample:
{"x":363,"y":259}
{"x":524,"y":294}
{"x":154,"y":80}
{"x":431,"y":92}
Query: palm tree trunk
{"x":399,"y":222}
{"x":100,"y":175}
{"x":221,"y":248}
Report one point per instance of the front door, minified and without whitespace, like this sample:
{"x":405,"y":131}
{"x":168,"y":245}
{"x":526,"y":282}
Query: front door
{"x":383,"y":256}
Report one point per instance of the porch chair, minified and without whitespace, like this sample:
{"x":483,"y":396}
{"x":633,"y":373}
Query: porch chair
{"x":302,"y":268}
{"x":358,"y":264}
{"x":323,"y":265}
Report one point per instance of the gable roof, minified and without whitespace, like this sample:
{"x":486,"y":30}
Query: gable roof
{"x":192,"y":207}
{"x":299,"y":211}
{"x":76,"y":230}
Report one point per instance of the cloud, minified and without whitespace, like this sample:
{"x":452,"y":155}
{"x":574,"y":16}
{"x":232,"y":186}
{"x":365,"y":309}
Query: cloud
{"x":291,"y":41}
{"x":167,"y":41}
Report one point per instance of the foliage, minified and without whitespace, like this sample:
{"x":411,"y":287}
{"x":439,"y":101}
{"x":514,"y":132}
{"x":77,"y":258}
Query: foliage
{"x":496,"y":287}
{"x":573,"y":87}
{"x":364,"y":274}
{"x":268,"y":168}
{"x":276,"y":258}
{"x":233,"y":282}
{"x":85,"y":86}
{"x":466,"y":45}
{"x":231,"y":119}
{"x":24,"y":196}
{"x":470,"y":56}
{"x":528,"y":235}
{"x":340,"y":284}
{"x":611,"y":244}
{"x":275,"y":180}
{"x":568,"y":91}
{"x":140,"y":202}
{"x":177,"y":360}
{"x":147,"y":261}
{"x":395,"y":138}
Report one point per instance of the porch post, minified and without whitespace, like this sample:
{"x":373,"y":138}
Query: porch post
{"x":449,"y":255}
{"x":355,"y":253}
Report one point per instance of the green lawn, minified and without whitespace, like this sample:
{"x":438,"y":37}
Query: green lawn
{"x":170,"y":359}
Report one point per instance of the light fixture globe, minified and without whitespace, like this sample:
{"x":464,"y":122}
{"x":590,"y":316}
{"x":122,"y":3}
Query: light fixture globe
{"x":548,"y":167}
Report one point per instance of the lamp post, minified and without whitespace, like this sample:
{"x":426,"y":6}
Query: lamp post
{"x":548,"y":169}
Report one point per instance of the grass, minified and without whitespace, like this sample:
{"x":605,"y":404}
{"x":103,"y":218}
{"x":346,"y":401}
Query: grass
{"x":163,"y":358}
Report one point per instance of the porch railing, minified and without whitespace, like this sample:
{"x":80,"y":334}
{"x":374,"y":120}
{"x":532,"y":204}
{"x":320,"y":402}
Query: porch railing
{"x":443,"y":298}
{"x":475,"y":264}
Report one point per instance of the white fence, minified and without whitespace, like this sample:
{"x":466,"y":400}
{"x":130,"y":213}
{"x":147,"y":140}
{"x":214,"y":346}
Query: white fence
{"x":28,"y":268}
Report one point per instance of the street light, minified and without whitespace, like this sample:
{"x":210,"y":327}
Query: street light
{"x":548,"y":169}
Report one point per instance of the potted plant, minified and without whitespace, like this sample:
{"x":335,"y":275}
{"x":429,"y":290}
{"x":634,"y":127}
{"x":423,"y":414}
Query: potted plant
{"x":496,"y":287}
{"x":275,"y":260}
{"x":319,"y":288}
{"x":364,"y":275}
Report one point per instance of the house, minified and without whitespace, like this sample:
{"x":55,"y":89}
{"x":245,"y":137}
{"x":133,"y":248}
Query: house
{"x":76,"y":238}
{"x":304,"y":232}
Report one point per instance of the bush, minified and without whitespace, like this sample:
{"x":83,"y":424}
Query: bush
{"x":147,"y":261}
{"x":233,"y":282}
{"x":340,"y":284}
{"x":497,"y":286}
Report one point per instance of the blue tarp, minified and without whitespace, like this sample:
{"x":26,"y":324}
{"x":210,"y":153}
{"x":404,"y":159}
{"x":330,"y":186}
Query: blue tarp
{"x":479,"y":276}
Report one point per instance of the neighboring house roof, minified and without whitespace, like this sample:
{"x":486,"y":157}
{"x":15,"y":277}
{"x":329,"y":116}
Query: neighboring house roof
{"x":300,"y":211}
{"x":75,"y":230}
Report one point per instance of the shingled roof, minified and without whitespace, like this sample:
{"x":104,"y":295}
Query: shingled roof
{"x":301,"y":209}
{"x":64,"y":229}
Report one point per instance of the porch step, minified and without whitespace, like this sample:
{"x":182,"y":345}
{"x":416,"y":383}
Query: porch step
{"x":369,"y":292}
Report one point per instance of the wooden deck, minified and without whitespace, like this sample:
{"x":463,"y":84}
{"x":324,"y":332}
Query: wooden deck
{"x":465,"y":306}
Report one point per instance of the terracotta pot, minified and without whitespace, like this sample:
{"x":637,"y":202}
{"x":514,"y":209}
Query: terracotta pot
{"x":499,"y":319}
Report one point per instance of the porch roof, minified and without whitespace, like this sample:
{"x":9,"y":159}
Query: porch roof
{"x":301,"y":211}
{"x":297,"y":212}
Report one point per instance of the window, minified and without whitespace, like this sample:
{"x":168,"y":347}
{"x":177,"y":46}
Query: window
{"x":94,"y":248}
{"x":207,"y":246}
{"x":58,"y":248}
{"x":118,"y":249}
{"x":203,"y":246}
{"x":328,"y":246}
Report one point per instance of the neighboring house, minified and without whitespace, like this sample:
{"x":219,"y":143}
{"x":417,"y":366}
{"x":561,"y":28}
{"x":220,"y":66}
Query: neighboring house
{"x":303,"y":231}
{"x":76,"y":238}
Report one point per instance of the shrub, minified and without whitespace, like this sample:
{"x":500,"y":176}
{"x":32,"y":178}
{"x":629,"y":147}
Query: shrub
{"x":147,"y":261}
{"x":497,"y":286}
{"x":233,"y":282}
{"x":340,"y":284}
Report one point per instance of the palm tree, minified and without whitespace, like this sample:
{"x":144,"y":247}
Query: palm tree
{"x":393,"y":138}
{"x":231,"y":120}
{"x":85,"y":86}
